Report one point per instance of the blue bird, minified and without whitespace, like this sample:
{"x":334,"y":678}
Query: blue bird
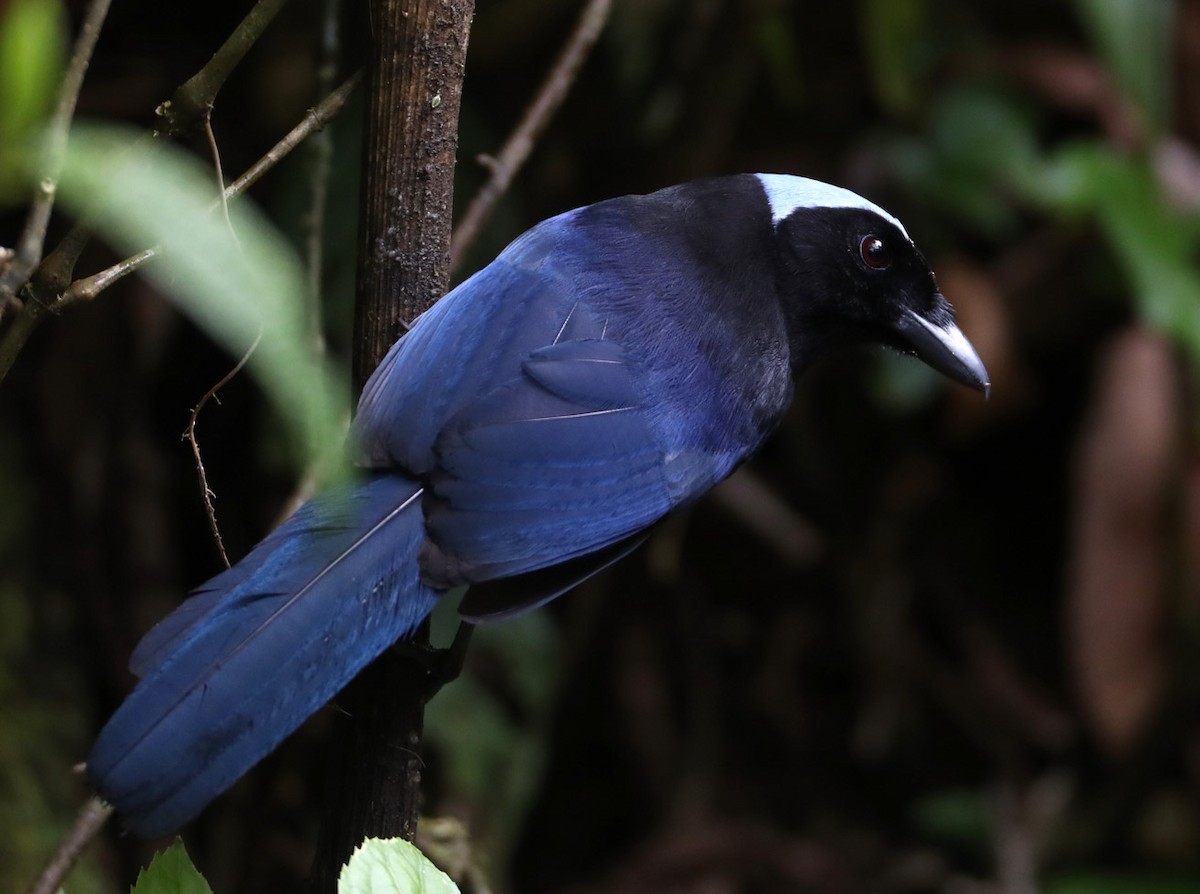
{"x":611,"y":365}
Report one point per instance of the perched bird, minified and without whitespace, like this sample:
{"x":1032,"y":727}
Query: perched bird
{"x":611,"y":365}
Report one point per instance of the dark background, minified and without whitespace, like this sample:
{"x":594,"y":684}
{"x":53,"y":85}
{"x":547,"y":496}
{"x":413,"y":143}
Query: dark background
{"x":921,"y":643}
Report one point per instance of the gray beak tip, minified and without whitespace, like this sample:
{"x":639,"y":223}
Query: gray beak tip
{"x":946,"y":350}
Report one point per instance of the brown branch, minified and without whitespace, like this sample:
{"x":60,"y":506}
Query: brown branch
{"x":315,"y":120}
{"x":87,"y":824}
{"x":55,"y":272}
{"x":512,"y":156}
{"x":415,"y":70}
{"x":88,"y":288}
{"x":186,"y":109}
{"x":189,"y":435}
{"x":317,"y":117}
{"x":33,"y":237}
{"x":16,"y":334}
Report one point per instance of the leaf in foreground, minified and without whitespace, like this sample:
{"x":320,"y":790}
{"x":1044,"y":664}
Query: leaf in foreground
{"x":171,"y":872}
{"x":392,"y":866}
{"x":237,"y":279}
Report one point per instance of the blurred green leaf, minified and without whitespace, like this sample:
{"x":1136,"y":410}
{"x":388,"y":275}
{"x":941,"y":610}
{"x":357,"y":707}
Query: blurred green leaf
{"x":499,"y":765}
{"x":392,"y":866}
{"x":1135,"y":38}
{"x":957,"y":815}
{"x":778,"y":52}
{"x":895,"y":36}
{"x":1155,"y":243}
{"x":140,"y":193}
{"x":1097,"y":883}
{"x":980,"y":150}
{"x":903,"y":384}
{"x":985,"y":131}
{"x":171,"y":872}
{"x":32,"y":40}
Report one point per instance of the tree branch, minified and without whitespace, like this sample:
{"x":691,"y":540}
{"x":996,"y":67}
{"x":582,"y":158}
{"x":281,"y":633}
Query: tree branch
{"x":315,"y":120}
{"x":409,"y":146}
{"x":33,"y":237}
{"x":186,"y":109}
{"x":505,"y":166}
{"x":88,"y":823}
{"x":16,"y":334}
{"x":415,"y":70}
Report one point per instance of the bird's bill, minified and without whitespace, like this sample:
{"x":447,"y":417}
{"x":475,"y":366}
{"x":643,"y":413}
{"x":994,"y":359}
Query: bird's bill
{"x":945,"y":349}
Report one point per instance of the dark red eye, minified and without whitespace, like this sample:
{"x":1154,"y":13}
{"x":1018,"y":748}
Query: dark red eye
{"x":875,"y":253}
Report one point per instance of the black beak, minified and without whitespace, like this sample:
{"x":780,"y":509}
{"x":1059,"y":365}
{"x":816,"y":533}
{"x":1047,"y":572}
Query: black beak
{"x":945,"y":349}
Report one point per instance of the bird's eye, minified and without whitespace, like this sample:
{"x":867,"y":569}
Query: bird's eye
{"x":876,"y":253}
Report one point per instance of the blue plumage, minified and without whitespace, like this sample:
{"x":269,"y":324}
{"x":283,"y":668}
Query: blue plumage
{"x":258,"y":649}
{"x":611,"y":365}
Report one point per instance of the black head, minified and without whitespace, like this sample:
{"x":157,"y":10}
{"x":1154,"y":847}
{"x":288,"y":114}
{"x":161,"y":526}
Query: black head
{"x":849,"y":273}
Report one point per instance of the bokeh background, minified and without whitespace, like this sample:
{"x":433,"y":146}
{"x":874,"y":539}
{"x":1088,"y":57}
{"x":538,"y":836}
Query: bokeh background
{"x":923,"y":642}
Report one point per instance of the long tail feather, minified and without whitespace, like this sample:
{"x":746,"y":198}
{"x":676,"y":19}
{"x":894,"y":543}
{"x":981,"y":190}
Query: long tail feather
{"x":261,"y":647}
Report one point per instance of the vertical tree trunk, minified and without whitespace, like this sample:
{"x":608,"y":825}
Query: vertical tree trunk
{"x":417,"y":54}
{"x":414,"y":87}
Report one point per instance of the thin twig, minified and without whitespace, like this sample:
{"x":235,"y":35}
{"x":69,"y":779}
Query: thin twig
{"x":186,"y":109}
{"x":218,"y":172}
{"x":89,"y":287}
{"x":189,"y":435}
{"x":16,"y":333}
{"x":315,"y":120}
{"x":33,"y":237}
{"x":520,"y":143}
{"x":182,"y":112}
{"x":87,"y":824}
{"x":317,"y":117}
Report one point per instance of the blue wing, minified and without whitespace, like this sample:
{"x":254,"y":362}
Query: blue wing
{"x":259,"y":648}
{"x":536,"y":432}
{"x":551,"y":465}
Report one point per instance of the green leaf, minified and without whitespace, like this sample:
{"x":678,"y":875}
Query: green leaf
{"x":895,"y":36}
{"x":237,"y":279}
{"x":957,"y":815}
{"x":1155,"y":243}
{"x":31,"y":63}
{"x":1097,"y":883}
{"x":980,"y":150}
{"x":392,"y":866}
{"x":775,"y":35}
{"x":1136,"y":38}
{"x":32,"y":38}
{"x":500,"y":765}
{"x":171,"y":872}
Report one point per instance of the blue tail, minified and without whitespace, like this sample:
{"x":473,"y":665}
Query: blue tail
{"x":259,"y":648}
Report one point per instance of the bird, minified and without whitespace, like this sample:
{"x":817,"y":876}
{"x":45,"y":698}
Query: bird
{"x":609,"y":367}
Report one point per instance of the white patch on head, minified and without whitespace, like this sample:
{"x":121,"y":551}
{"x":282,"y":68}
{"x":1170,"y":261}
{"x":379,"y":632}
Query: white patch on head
{"x":787,"y":192}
